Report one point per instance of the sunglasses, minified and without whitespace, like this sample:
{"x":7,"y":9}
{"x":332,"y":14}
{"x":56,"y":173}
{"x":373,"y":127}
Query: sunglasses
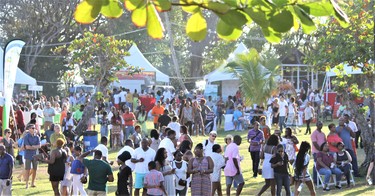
{"x":213,"y":135}
{"x":32,"y":128}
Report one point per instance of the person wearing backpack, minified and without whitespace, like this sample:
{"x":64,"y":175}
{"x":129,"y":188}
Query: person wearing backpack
{"x":209,"y":143}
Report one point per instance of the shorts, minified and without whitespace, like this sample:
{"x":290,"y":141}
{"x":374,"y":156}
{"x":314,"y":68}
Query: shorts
{"x":238,"y":178}
{"x":139,"y":178}
{"x":29,"y":162}
{"x":54,"y":178}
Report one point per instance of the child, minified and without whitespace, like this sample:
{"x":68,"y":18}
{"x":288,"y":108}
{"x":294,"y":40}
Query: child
{"x":154,"y":181}
{"x":104,"y":122}
{"x":137,"y":136}
{"x":77,"y":170}
{"x":279,"y":163}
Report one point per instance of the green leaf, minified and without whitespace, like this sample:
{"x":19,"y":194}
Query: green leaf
{"x":258,"y":17}
{"x":162,"y":5}
{"x":133,"y":4}
{"x":280,"y":3}
{"x":154,"y":25}
{"x":234,"y":18}
{"x":340,"y":15}
{"x":232,"y":3}
{"x":196,"y":27}
{"x":189,"y":9}
{"x":217,"y":6}
{"x":282,"y":21}
{"x":318,"y":8}
{"x":111,"y":9}
{"x":227,"y":32}
{"x":271,"y":36}
{"x":87,"y":11}
{"x":139,"y":16}
{"x":308,"y":24}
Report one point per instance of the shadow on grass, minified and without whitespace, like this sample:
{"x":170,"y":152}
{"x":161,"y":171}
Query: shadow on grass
{"x":39,"y":192}
{"x":362,"y":191}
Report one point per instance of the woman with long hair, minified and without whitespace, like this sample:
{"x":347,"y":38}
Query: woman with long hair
{"x":142,"y":118}
{"x":301,"y":172}
{"x":116,"y":129}
{"x":197,"y":119}
{"x":163,"y":165}
{"x":268,"y":151}
{"x":155,"y":139}
{"x":200,"y":167}
{"x":187,"y":117}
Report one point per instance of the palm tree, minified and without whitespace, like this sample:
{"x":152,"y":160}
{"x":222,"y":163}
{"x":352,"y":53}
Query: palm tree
{"x":258,"y":76}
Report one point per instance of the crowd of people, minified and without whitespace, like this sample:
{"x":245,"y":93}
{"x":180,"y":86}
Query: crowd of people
{"x":163,"y":158}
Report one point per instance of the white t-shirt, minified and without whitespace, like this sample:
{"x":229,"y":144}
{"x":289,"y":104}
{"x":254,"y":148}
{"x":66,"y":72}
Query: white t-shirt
{"x":122,"y":96}
{"x":176,"y":127}
{"x":353,"y":126}
{"x":103,"y":149}
{"x":208,"y":148}
{"x":219,"y":162}
{"x":282,"y":108}
{"x":169,"y":147}
{"x":148,"y":156}
{"x":291,"y":108}
{"x":131,"y":151}
{"x":309,"y":112}
{"x":116,"y":98}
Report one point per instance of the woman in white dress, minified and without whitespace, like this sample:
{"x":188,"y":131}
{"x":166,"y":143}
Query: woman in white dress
{"x":180,"y":167}
{"x":163,"y":165}
{"x":267,"y":171}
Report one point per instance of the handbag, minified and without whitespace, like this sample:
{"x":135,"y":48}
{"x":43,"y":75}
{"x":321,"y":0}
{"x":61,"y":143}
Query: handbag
{"x":182,"y":182}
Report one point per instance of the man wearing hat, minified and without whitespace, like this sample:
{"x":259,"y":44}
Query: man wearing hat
{"x":209,"y":143}
{"x":238,"y":118}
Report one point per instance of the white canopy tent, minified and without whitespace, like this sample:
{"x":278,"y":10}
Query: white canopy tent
{"x":136,"y":58}
{"x":347,"y":70}
{"x":221,"y":73}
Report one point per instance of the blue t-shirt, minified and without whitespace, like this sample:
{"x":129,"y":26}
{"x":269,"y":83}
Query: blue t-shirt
{"x":77,"y":167}
{"x":345,"y":136}
{"x":6,"y":162}
{"x":20,"y":144}
{"x":236,"y":114}
{"x":30,"y":140}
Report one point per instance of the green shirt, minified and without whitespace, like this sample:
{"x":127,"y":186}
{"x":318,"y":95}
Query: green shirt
{"x":98,"y":174}
{"x":54,"y":138}
{"x":78,"y":115}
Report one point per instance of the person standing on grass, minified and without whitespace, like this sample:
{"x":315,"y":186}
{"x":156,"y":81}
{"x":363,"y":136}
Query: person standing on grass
{"x":255,"y":137}
{"x":168,"y":144}
{"x":317,"y":139}
{"x":55,"y":136}
{"x":154,"y":181}
{"x":103,"y":148}
{"x":156,"y":112}
{"x":141,"y":157}
{"x":56,"y":165}
{"x":100,"y":172}
{"x":309,"y":116}
{"x":209,"y":143}
{"x":219,"y":163}
{"x":49,"y":114}
{"x":346,"y":131}
{"x":301,"y":169}
{"x":32,"y":144}
{"x":124,"y":176}
{"x":78,"y":170}
{"x":180,"y":167}
{"x":232,"y":169}
{"x":279,"y":163}
{"x":6,"y":171}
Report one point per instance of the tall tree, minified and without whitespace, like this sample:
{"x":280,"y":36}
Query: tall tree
{"x":353,"y":46}
{"x":96,"y":58}
{"x":251,"y":69}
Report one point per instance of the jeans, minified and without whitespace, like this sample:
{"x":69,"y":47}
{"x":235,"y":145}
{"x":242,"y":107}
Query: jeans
{"x":282,"y":123}
{"x":328,"y":172}
{"x":255,"y":158}
{"x":354,"y":162}
{"x":346,"y":169}
{"x":282,"y":180}
{"x":129,"y":130}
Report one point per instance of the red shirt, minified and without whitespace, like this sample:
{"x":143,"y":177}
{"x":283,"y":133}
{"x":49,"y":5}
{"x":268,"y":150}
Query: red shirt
{"x":128,"y":118}
{"x":333,"y":139}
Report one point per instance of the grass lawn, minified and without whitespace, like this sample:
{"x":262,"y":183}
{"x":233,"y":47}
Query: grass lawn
{"x":252,"y":186}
